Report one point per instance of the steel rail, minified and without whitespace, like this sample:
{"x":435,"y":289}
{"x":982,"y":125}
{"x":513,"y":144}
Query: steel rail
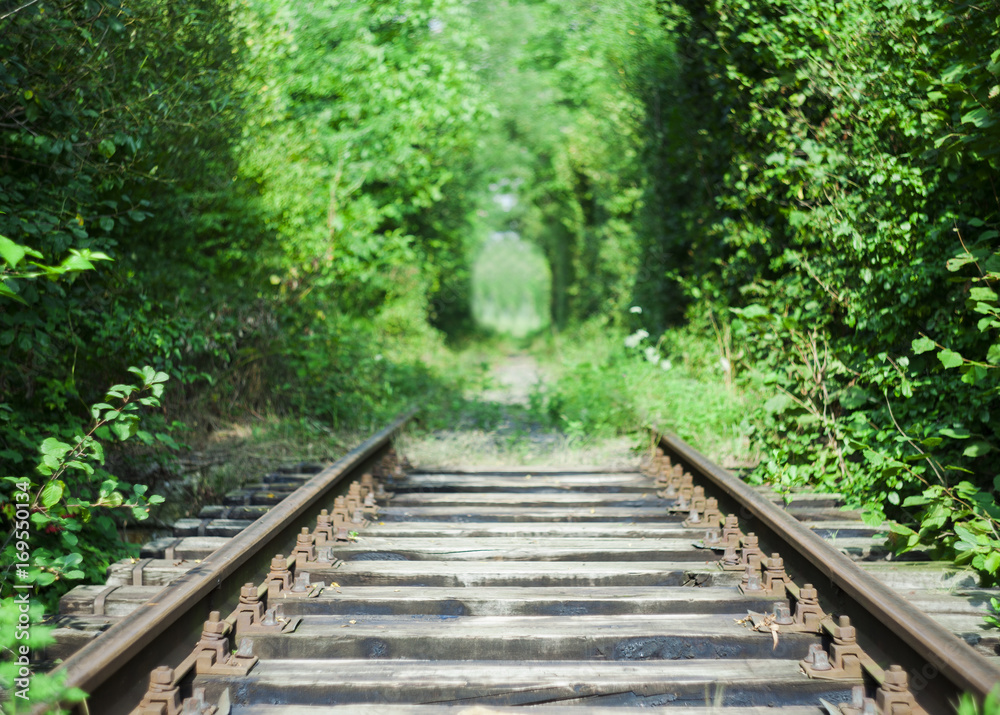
{"x":942,"y":649}
{"x":93,"y":665}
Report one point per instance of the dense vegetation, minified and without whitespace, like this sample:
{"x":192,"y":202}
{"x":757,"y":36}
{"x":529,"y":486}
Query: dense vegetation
{"x":276,"y":206}
{"x":837,"y":192}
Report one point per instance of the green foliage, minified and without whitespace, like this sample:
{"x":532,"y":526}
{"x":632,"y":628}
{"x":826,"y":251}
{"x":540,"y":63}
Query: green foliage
{"x":511,"y":286}
{"x":994,"y":617}
{"x":823,"y":169}
{"x":62,"y":531}
{"x":564,"y":141}
{"x":969,"y":705}
{"x":609,"y":382}
{"x":21,"y":633}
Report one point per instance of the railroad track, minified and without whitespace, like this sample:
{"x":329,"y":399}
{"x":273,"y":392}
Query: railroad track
{"x":494,"y":589}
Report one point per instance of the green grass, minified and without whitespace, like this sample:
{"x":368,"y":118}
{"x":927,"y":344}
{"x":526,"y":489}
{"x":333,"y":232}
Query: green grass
{"x":602,"y":386}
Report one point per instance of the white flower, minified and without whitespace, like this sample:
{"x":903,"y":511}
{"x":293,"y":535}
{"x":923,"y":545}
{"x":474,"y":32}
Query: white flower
{"x":665,"y":364}
{"x":378,"y":357}
{"x":633,"y":340}
{"x":635,"y":309}
{"x":652,"y":355}
{"x":724,"y":364}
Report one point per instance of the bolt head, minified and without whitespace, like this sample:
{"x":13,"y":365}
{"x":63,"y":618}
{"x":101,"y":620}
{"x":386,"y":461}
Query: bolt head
{"x":164,"y":675}
{"x":896,"y":677}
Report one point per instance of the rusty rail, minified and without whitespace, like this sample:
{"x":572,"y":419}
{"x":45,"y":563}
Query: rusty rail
{"x":137,"y":643}
{"x":931,"y":642}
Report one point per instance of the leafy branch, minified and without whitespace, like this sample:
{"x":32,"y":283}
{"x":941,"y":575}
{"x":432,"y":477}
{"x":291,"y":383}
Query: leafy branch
{"x":60,"y":512}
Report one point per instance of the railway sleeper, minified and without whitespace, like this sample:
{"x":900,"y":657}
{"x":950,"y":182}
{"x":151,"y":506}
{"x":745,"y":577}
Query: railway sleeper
{"x":694,"y":682}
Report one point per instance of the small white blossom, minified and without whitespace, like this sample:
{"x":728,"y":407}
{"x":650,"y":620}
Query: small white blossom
{"x":652,"y":355}
{"x":724,"y":364}
{"x":635,"y":309}
{"x":665,"y":364}
{"x":633,"y":340}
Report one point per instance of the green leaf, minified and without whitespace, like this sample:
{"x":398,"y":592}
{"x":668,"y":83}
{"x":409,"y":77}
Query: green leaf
{"x":985,"y":295}
{"x":51,"y":493}
{"x":956,"y":433}
{"x":106,"y":148}
{"x":13,"y":253}
{"x":52,"y":447}
{"x":992,"y":562}
{"x":922,"y":345}
{"x":977,"y":448}
{"x":751,"y":312}
{"x":980,"y":117}
{"x":778,"y":403}
{"x":95,"y":410}
{"x":966,"y":535}
{"x":854,"y":397}
{"x":957,"y":262}
{"x":993,"y":355}
{"x":121,"y":430}
{"x":950,"y":358}
{"x":155,"y":499}
{"x":6,"y":292}
{"x":114,"y":499}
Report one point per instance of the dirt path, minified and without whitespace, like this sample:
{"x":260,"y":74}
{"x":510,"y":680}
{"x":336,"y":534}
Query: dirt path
{"x":514,"y":380}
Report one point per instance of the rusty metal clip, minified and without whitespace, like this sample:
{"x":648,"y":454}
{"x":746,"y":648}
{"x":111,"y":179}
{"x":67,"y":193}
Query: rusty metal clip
{"x":894,"y":697}
{"x":304,"y":549}
{"x":712,"y":516}
{"x":212,"y":655}
{"x":749,"y":555}
{"x":808,"y":613}
{"x":303,"y":588}
{"x":250,"y":611}
{"x":340,"y":514}
{"x":731,"y":535}
{"x":751,"y":583}
{"x":843,"y":662}
{"x":775,"y":578}
{"x":693,"y":519}
{"x":162,"y":697}
{"x":279,"y":578}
